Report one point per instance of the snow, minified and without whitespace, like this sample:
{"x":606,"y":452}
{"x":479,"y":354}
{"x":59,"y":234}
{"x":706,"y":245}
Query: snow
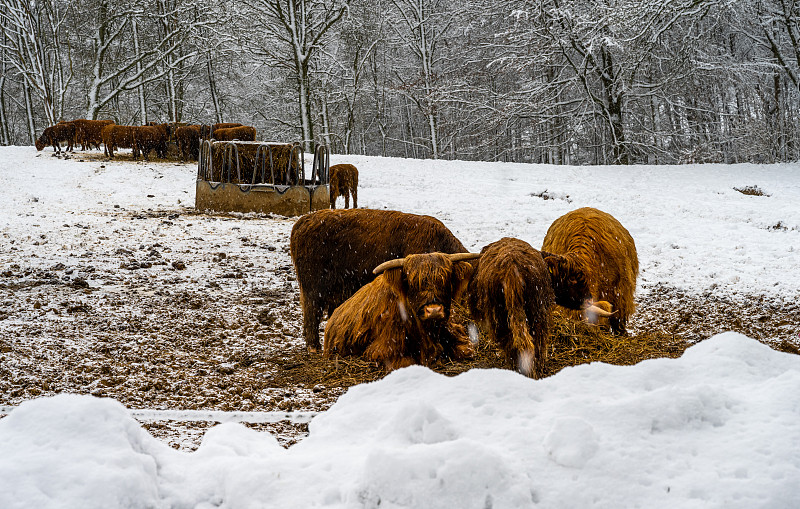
{"x":717,"y":427}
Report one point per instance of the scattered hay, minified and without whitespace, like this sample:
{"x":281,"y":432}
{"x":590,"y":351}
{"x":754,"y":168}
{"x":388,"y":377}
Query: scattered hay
{"x":751,"y":191}
{"x":571,"y":343}
{"x":122,"y":155}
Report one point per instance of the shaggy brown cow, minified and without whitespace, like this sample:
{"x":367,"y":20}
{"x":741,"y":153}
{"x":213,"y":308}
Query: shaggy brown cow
{"x":151,"y":137}
{"x":403,"y":316}
{"x":207,"y":131}
{"x":334,"y":252}
{"x":241,"y":133}
{"x":511,"y":295}
{"x":54,"y":135}
{"x":597,"y":243}
{"x":188,"y":140}
{"x":90,"y":132}
{"x":344,"y":182}
{"x":117,"y":136}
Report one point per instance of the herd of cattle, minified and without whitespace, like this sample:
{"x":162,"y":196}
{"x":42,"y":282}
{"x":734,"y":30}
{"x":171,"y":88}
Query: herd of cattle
{"x":142,"y":139}
{"x":387,"y":281}
{"x":156,"y":137}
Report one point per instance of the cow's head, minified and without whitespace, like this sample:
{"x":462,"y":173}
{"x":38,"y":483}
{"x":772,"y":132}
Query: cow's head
{"x":429,"y":282}
{"x":571,"y":286}
{"x":40,"y":143}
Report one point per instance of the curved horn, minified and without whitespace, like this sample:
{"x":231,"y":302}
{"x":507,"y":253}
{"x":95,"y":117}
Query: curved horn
{"x":391,"y":264}
{"x":599,"y":311}
{"x":459,"y":257}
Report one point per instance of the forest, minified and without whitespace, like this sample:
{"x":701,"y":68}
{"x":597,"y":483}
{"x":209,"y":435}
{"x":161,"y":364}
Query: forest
{"x":541,"y":81}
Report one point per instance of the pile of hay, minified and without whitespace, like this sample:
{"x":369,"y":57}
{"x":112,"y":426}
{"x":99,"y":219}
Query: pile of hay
{"x":571,"y":343}
{"x":247,"y":152}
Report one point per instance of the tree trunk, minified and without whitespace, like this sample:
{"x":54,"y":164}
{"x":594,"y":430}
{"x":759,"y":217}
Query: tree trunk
{"x":614,"y":104}
{"x":97,"y":68}
{"x":5,"y":139}
{"x":140,"y":88}
{"x":29,"y":113}
{"x":305,"y":108}
{"x":212,"y":86}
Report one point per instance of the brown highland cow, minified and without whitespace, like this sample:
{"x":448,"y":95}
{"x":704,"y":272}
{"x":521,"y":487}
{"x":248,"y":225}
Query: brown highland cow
{"x":597,"y":243}
{"x":90,"y":132}
{"x":117,"y":136}
{"x":511,"y":296}
{"x":403,"y":316}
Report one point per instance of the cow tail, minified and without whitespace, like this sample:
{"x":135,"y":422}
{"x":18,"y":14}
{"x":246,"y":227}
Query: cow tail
{"x":523,"y":349}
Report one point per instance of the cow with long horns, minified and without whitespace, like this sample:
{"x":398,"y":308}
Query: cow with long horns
{"x":403,"y":316}
{"x":604,"y":250}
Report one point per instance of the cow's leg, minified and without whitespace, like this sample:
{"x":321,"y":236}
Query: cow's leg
{"x":346,"y":200}
{"x":618,"y":326}
{"x":455,"y":342}
{"x":312,"y":314}
{"x":355,"y":197}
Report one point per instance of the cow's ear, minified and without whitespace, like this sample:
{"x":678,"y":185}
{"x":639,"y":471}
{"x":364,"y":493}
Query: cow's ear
{"x":556,"y":264}
{"x":394,"y":278}
{"x":462,"y":274}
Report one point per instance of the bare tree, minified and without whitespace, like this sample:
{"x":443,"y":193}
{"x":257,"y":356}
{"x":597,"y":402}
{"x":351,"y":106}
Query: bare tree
{"x":290,"y":34}
{"x":33,"y":44}
{"x":110,"y":20}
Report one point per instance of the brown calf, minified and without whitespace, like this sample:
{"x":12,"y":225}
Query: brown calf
{"x":344,"y":182}
{"x":511,"y":295}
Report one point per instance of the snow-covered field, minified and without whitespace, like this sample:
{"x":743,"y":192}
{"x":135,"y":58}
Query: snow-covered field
{"x":112,"y":285}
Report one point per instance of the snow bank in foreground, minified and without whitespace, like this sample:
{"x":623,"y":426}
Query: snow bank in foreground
{"x":718,"y":427}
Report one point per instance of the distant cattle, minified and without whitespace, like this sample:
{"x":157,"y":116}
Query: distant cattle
{"x":90,"y":132}
{"x":117,"y":136}
{"x":241,"y":133}
{"x":149,"y":138}
{"x":335,"y":251}
{"x":55,"y":135}
{"x":188,"y":141}
{"x":603,"y":249}
{"x":208,"y":131}
{"x":344,"y":182}
{"x":403,"y":316}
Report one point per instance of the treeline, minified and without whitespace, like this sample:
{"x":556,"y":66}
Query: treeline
{"x":550,"y":81}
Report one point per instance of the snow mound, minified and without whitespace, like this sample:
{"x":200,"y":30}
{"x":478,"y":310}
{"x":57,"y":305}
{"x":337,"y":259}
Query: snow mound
{"x":718,"y":427}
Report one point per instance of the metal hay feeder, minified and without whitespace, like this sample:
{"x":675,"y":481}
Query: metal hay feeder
{"x":254,"y":176}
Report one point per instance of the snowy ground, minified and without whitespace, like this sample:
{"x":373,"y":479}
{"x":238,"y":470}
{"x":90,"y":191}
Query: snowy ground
{"x":112,"y":285}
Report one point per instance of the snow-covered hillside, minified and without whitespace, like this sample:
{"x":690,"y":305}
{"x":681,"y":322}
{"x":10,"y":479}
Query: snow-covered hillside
{"x":112,"y":285}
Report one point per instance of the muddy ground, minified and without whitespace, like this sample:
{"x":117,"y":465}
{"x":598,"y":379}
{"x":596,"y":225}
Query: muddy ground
{"x":171,"y":309}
